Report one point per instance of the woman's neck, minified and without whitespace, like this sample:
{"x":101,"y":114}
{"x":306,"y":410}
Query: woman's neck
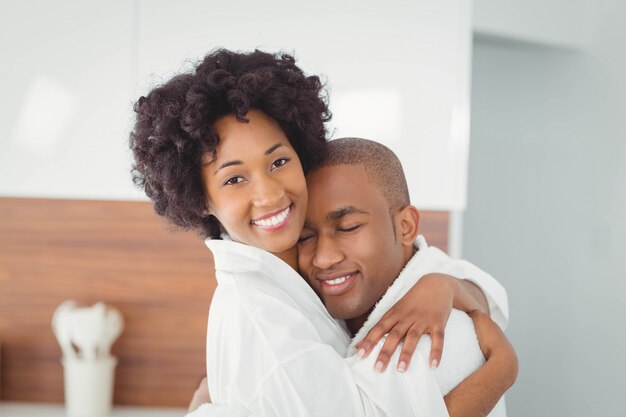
{"x":290,"y":256}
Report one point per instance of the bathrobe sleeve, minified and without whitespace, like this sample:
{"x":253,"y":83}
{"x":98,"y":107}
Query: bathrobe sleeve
{"x":461,"y":357}
{"x":277,"y":365}
{"x":299,"y":389}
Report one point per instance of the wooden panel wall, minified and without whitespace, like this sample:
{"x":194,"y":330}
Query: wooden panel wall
{"x":120,"y":253}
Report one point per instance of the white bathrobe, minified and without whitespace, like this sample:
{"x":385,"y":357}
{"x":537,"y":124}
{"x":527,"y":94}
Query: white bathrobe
{"x":461,"y":352}
{"x":273,"y":349}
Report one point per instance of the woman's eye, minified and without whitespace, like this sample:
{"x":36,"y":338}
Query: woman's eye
{"x":233,"y":180}
{"x":279,"y":162}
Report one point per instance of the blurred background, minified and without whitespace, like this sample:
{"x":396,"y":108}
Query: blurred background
{"x":508,"y":117}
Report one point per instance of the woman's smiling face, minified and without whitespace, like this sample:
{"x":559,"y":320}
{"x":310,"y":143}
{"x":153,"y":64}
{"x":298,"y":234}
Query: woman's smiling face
{"x":255,"y":185}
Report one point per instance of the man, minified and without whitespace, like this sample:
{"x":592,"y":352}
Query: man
{"x":359,"y":236}
{"x":291,"y":322}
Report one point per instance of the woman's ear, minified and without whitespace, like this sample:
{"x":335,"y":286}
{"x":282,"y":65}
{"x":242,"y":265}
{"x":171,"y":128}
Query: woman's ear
{"x":208,"y":208}
{"x":408,"y":220}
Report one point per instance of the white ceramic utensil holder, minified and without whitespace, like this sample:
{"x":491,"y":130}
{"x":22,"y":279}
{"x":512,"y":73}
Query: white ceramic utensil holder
{"x":89,"y":386}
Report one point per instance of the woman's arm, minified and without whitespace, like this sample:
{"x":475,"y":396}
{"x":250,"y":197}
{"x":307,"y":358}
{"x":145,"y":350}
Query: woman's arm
{"x":478,"y":394}
{"x":425,"y":309}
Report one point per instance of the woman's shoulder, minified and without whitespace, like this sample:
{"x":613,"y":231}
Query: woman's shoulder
{"x":230,"y":256}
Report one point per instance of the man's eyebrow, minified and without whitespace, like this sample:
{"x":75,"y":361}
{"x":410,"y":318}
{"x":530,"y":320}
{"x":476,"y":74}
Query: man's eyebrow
{"x":344,"y":211}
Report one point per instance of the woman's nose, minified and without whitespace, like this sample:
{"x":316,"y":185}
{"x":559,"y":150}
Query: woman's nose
{"x":268,"y":191}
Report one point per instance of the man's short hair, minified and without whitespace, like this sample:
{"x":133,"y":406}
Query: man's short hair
{"x":382,"y":166}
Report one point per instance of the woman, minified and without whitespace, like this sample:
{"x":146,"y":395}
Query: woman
{"x":224,"y":151}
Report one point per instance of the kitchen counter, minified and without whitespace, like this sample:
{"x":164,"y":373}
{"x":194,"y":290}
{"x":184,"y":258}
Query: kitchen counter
{"x":17,"y":409}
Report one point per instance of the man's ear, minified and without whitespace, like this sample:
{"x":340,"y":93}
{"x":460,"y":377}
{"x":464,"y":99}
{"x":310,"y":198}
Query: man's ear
{"x":407,"y":220}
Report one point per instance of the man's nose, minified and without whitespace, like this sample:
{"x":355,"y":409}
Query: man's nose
{"x":268,"y":191}
{"x":327,"y":253}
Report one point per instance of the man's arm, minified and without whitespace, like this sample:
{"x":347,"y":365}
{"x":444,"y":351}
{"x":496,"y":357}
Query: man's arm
{"x":478,"y":394}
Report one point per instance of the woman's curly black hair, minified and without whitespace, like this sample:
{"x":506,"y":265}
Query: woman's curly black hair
{"x":174,"y":126}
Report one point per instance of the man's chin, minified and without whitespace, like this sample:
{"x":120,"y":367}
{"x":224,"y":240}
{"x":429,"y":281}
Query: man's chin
{"x":336,"y":311}
{"x":340,"y":312}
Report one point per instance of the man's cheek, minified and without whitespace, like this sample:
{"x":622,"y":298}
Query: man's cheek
{"x":303,"y":264}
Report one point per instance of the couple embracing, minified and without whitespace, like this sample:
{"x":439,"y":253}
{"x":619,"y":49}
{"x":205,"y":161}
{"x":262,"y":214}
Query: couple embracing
{"x":323,"y":278}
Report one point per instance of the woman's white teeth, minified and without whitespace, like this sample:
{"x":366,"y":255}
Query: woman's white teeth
{"x":337,"y":280}
{"x":272,"y":221}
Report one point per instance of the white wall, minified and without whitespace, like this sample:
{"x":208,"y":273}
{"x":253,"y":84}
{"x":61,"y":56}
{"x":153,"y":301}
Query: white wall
{"x":66,"y":82}
{"x":398,"y":74}
{"x":547,"y":212}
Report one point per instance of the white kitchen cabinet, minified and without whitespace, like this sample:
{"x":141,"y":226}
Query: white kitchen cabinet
{"x":398,"y":73}
{"x":66,"y":83}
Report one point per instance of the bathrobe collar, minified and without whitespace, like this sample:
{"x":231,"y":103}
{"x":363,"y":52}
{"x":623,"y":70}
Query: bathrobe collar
{"x":237,"y":258}
{"x":408,"y":277}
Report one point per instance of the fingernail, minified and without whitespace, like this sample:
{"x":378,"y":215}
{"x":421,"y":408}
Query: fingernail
{"x":402,"y":366}
{"x":379,"y":366}
{"x":434,"y":363}
{"x":361,"y":353}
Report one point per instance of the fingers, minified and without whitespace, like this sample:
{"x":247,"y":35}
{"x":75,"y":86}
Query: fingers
{"x":397,"y":332}
{"x":410,"y":344}
{"x":392,"y":341}
{"x":376,"y":333}
{"x":436,"y":350}
{"x":408,"y":348}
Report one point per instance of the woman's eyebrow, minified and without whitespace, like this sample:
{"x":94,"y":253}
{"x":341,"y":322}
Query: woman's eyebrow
{"x":273,"y":148}
{"x":238,"y":162}
{"x":228,"y":164}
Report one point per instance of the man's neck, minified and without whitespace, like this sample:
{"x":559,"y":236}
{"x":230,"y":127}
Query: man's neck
{"x":355,"y":324}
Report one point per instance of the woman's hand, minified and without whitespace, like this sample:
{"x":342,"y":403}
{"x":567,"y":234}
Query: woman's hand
{"x":425,"y":309}
{"x":200,"y":396}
